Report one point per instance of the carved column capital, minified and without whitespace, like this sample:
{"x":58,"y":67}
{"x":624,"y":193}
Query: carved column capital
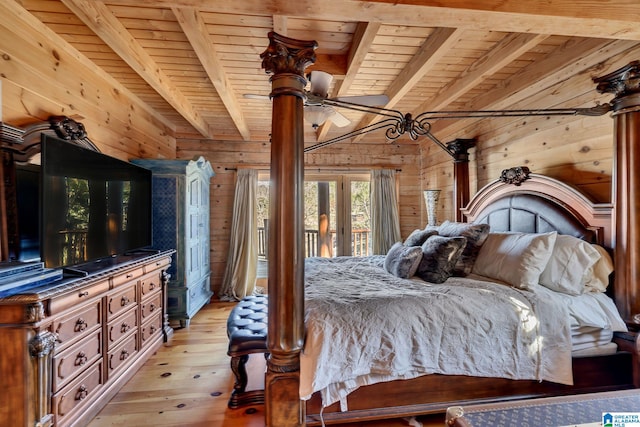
{"x":459,"y":148}
{"x":286,"y":55}
{"x":624,"y":83}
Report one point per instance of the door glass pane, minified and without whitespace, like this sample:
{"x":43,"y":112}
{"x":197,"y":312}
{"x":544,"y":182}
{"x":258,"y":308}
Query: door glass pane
{"x":360,"y":219}
{"x":262,"y":196}
{"x":320,"y":218}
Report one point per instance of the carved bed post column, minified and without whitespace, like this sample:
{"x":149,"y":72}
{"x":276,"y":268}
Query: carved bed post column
{"x":286,"y":59}
{"x":460,"y":150}
{"x":625,"y":84}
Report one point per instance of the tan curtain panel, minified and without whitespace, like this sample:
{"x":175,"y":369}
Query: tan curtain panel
{"x":242,"y":261}
{"x":385,"y":220}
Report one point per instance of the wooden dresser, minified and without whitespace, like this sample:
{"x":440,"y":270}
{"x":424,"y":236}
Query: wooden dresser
{"x":68,"y":347}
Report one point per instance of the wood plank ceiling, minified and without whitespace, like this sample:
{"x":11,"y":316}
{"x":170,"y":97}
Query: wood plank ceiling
{"x":193,"y":60}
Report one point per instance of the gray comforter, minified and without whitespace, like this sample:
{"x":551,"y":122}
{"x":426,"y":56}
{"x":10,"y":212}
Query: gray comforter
{"x":366,"y":326}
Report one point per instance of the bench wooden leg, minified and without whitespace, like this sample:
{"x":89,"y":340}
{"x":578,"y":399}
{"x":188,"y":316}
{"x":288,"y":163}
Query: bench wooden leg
{"x":239,"y":395}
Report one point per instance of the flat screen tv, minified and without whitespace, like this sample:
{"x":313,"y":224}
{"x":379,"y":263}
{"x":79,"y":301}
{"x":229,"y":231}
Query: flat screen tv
{"x":92,"y":206}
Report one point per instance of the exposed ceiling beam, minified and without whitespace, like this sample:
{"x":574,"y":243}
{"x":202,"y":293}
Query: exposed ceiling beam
{"x":362,"y":39}
{"x":20,"y":23}
{"x":97,"y":16}
{"x":432,"y":50}
{"x":195,"y":29}
{"x":584,"y":18}
{"x":567,"y":60}
{"x":502,"y":54}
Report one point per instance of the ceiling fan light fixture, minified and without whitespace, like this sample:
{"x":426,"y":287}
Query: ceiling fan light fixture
{"x":317,"y":114}
{"x":320,"y":83}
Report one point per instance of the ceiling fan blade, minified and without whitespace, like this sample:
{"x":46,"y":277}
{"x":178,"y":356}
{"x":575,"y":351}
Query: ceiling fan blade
{"x":256,"y":96}
{"x":368,"y":100}
{"x":338,"y":119}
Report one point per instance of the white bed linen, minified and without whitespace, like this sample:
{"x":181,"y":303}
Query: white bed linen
{"x":593,"y":319}
{"x":366,"y":326}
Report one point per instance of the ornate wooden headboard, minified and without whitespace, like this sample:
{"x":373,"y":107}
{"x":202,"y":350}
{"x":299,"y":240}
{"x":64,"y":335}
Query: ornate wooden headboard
{"x":532,"y":203}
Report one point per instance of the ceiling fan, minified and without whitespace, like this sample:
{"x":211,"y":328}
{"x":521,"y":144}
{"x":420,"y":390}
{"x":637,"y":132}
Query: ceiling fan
{"x":317,"y":108}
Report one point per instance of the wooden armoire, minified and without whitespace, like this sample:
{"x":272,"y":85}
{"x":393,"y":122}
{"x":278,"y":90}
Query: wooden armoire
{"x":181,"y":222}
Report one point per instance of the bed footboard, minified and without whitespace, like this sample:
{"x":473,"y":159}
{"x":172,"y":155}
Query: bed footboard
{"x":435,"y":393}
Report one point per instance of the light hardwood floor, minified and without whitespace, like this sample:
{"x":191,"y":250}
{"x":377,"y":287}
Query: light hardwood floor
{"x":187,"y":383}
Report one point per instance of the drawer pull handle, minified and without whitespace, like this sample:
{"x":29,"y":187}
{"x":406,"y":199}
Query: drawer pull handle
{"x":152,"y":329}
{"x":82,"y":392}
{"x":152,"y":307}
{"x":81,"y":325}
{"x":124,"y":355}
{"x":83,"y":294}
{"x":81,"y":359}
{"x":129,"y":276}
{"x":124,"y":301}
{"x":124,"y":328}
{"x":152,"y":286}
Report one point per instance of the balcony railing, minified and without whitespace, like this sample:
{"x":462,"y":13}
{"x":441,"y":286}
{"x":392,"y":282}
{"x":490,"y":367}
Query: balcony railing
{"x":360,"y":240}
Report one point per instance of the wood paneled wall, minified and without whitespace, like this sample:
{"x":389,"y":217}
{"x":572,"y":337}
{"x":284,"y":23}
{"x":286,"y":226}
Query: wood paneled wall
{"x":574,"y":149}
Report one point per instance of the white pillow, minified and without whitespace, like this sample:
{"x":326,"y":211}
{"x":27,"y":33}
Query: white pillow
{"x":570,"y":265}
{"x":515,"y":258}
{"x":597,"y":278}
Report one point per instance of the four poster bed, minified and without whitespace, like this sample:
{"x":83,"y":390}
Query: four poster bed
{"x":536,"y":207}
{"x":301,"y":388}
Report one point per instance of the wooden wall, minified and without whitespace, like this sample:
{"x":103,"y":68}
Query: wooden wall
{"x":227,"y":156}
{"x":574,"y":149}
{"x":42,"y":75}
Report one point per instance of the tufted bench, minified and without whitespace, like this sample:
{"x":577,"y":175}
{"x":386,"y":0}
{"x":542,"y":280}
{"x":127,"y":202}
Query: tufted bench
{"x":247,"y":332}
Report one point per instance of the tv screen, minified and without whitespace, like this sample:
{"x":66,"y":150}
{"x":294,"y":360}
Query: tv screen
{"x":92,"y":205}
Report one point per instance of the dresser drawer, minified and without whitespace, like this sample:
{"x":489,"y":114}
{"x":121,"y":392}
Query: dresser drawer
{"x":158,"y":264}
{"x":73,"y":299}
{"x":76,"y":324}
{"x":129,"y":276}
{"x":78,"y":393}
{"x":151,"y":306}
{"x":151,"y":329}
{"x":121,"y":326}
{"x":150,"y":284}
{"x":123,"y":353}
{"x":70,"y":362}
{"x":119,"y":301}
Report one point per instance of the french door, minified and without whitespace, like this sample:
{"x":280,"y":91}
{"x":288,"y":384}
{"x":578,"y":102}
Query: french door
{"x":337,"y":215}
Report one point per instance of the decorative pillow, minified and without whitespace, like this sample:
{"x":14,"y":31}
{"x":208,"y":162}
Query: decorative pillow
{"x":571,"y":261}
{"x":439,"y":257}
{"x":515,"y":258}
{"x":475,"y":234}
{"x":597,"y":278}
{"x":402,"y":261}
{"x":418,"y":237}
